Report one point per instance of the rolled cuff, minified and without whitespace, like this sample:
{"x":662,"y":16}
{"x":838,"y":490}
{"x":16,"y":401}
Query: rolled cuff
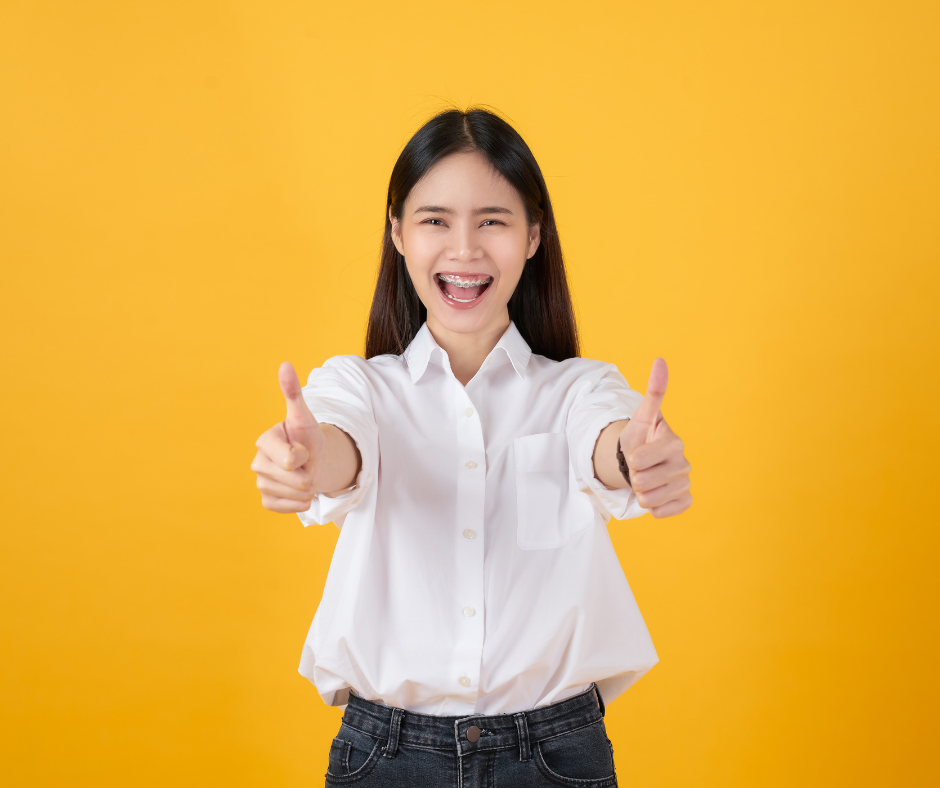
{"x":325,"y":509}
{"x":620,"y":504}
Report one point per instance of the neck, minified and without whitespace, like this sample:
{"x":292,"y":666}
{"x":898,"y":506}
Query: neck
{"x":467,"y":352}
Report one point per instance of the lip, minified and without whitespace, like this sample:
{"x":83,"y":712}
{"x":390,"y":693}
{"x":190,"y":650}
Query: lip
{"x":456,"y":304}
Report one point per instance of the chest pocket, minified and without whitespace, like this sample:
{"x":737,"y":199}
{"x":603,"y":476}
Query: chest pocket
{"x":550,"y":509}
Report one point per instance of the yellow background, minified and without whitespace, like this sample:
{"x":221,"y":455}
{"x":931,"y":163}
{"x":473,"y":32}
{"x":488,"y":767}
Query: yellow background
{"x":193,"y":192}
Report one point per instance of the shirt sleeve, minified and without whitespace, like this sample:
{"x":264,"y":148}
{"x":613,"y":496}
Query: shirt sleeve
{"x":605,"y":399}
{"x":338,"y":393}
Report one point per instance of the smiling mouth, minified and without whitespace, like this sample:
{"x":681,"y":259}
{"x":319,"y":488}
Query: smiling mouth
{"x":463,"y":288}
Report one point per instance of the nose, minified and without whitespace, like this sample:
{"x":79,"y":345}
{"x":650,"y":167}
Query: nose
{"x":464,"y":245}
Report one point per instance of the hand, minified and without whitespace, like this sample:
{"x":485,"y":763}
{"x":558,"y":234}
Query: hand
{"x":288,"y":453}
{"x":659,"y":471}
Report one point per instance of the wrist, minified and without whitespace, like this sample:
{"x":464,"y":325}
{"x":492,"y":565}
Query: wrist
{"x":622,"y":464}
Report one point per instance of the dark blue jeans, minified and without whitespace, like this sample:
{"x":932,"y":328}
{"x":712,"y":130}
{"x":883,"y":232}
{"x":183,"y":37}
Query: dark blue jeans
{"x":564,"y":743}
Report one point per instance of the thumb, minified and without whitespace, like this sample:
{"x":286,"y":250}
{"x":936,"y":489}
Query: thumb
{"x":300,"y":422}
{"x":647,"y":416}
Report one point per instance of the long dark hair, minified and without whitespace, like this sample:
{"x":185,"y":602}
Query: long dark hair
{"x":540,"y":306}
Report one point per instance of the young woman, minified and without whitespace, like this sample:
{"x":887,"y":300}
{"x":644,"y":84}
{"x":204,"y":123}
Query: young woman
{"x":475,"y":619}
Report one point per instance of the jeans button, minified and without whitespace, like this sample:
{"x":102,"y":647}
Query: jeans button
{"x":473,"y":733}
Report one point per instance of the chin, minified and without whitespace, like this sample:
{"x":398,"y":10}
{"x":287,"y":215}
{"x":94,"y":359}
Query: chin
{"x":464,"y":322}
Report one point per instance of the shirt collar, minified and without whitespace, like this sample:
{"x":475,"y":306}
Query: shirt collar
{"x":423,"y":346}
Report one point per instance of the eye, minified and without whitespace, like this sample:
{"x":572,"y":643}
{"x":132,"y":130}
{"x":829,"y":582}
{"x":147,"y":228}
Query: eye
{"x":430,"y":221}
{"x":493,"y":221}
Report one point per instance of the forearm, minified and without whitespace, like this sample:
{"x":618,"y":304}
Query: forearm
{"x":339,"y":464}
{"x":606,"y":467}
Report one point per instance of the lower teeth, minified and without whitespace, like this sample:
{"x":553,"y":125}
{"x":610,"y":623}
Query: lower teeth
{"x":461,"y":300}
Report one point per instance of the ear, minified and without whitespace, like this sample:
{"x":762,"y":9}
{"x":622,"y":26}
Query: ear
{"x":535,"y":237}
{"x":396,"y":233}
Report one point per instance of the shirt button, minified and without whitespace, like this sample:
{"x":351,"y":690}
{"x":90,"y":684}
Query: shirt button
{"x":469,"y":611}
{"x":471,"y":465}
{"x":468,"y":412}
{"x":464,"y":681}
{"x":469,"y":533}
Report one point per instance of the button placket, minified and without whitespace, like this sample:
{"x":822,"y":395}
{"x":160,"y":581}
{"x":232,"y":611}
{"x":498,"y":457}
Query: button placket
{"x":468,"y":532}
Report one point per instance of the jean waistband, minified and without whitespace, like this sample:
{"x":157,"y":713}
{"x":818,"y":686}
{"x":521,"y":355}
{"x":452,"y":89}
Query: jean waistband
{"x":495,"y":731}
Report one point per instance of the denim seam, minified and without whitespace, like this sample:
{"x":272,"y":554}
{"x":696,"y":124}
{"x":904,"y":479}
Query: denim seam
{"x":344,"y":757}
{"x":378,"y":719}
{"x":570,"y":730}
{"x":407,"y":744}
{"x":362,"y":771}
{"x":572,"y":782}
{"x":411,"y":742}
{"x":364,"y":733}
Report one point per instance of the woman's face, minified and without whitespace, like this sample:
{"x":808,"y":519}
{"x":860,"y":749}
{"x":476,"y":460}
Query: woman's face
{"x":465,"y":239}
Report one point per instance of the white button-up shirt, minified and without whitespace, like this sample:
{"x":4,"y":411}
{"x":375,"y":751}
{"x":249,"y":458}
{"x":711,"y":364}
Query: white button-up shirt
{"x":473,"y":571}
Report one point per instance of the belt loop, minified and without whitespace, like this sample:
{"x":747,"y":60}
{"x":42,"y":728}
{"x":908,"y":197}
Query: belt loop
{"x":522,"y":726}
{"x":600,"y":700}
{"x":391,"y":749}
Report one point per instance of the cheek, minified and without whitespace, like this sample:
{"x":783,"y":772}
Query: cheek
{"x":421,"y":253}
{"x":509,"y":256}
{"x":417,"y":257}
{"x":421,"y":250}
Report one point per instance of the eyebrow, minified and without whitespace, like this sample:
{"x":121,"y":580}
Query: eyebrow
{"x":477,"y":212}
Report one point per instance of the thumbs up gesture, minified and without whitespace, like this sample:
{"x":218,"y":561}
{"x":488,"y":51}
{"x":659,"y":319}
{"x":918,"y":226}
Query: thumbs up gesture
{"x":288,"y":453}
{"x":659,"y":471}
{"x":300,"y":427}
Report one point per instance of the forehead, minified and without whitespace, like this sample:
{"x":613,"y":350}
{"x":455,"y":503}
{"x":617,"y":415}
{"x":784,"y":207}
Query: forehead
{"x":463,"y":179}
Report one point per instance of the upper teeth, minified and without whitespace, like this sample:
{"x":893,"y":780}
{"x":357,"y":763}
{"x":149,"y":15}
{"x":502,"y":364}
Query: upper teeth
{"x":454,"y":280}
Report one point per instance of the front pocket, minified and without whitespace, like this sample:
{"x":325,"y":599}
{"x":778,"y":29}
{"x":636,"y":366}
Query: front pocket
{"x":353,"y":755}
{"x":582,"y":758}
{"x":339,"y":757}
{"x":549,"y":506}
